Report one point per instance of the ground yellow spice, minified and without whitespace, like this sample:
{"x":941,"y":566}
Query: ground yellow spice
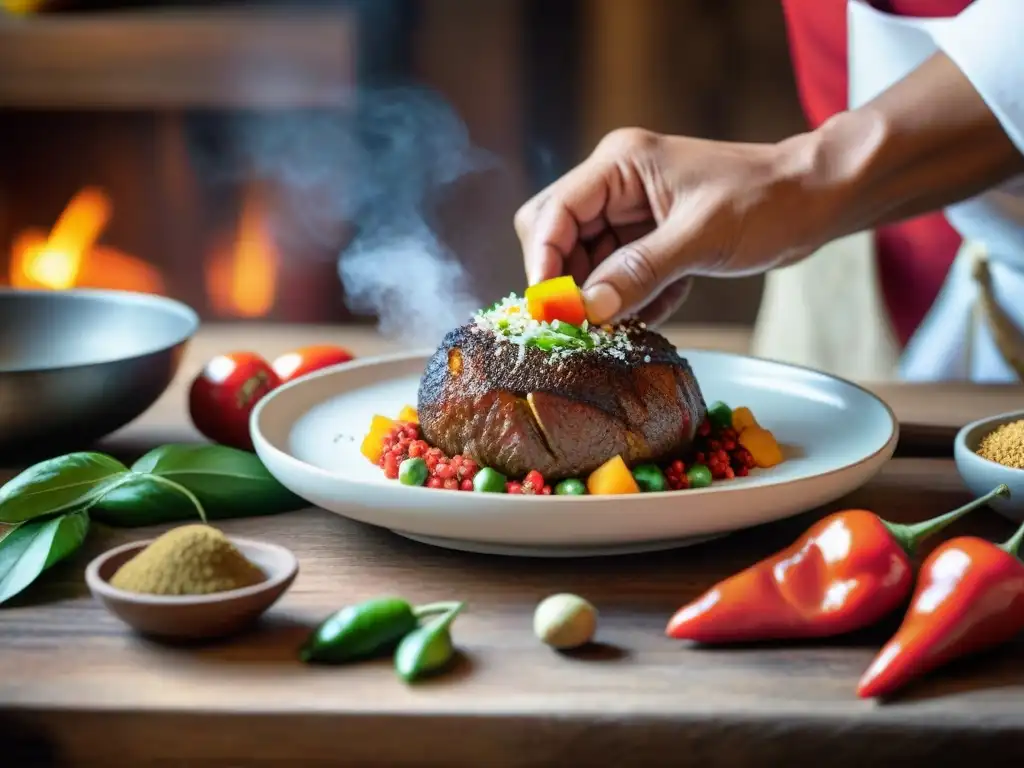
{"x":188,"y":560}
{"x":1005,"y":445}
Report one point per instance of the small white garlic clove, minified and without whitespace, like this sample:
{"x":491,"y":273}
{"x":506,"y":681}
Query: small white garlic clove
{"x":565,"y":621}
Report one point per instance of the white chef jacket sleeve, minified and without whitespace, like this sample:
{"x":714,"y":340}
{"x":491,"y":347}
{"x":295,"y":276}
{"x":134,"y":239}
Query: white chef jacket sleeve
{"x":986,"y":41}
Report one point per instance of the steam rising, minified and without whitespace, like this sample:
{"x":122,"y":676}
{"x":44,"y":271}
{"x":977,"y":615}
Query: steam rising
{"x":384,"y":169}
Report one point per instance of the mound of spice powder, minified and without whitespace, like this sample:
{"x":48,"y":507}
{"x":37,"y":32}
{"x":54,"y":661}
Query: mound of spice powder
{"x":1005,"y":445}
{"x":188,"y":560}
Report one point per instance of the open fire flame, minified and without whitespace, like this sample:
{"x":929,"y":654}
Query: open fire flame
{"x":69,"y":257}
{"x":240,"y":279}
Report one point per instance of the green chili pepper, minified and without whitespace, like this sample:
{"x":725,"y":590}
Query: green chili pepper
{"x":489,"y":480}
{"x":571,"y":487}
{"x":428,"y":649}
{"x":699,"y":476}
{"x":720,"y":415}
{"x":360,"y":631}
{"x":650,"y":478}
{"x":412,"y":471}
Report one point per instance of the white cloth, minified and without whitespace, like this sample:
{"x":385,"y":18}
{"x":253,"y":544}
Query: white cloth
{"x":986,"y":42}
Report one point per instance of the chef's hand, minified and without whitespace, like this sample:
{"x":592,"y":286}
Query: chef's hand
{"x":646,"y":211}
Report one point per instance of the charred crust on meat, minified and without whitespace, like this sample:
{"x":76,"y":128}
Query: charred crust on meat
{"x":638,"y":397}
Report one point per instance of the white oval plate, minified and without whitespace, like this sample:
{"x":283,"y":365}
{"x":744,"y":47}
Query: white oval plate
{"x":834,"y":434}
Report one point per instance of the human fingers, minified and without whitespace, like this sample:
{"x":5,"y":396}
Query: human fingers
{"x":664,"y":305}
{"x":552,"y":224}
{"x":634,"y":275}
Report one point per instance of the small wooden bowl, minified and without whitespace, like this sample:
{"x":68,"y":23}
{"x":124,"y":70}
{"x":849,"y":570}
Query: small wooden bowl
{"x":193,"y":617}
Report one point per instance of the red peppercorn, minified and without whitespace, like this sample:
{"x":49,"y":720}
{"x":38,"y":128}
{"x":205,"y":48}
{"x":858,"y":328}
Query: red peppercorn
{"x":534,"y":478}
{"x":677,"y":481}
{"x":435,"y":482}
{"x":469,"y":469}
{"x":546,"y":490}
{"x":466,"y":485}
{"x":704,"y":429}
{"x":451,"y":484}
{"x":513,"y":487}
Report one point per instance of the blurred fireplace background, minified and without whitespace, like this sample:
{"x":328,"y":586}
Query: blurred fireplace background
{"x":116,"y":124}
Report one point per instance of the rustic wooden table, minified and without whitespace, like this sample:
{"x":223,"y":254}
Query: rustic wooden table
{"x":76,"y":688}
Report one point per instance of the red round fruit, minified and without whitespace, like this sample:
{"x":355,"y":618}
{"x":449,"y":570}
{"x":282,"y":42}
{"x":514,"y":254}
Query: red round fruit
{"x":299,"y":362}
{"x":223,"y":395}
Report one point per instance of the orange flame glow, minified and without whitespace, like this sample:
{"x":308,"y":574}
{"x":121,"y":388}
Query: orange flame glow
{"x":241,"y":280}
{"x":68,"y":257}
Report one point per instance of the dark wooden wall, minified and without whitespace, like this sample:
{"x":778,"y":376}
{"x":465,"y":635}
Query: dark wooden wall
{"x":711,"y":68}
{"x":536,"y":82}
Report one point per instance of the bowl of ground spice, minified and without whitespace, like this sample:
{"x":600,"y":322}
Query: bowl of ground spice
{"x":990,"y":451}
{"x":191,"y":583}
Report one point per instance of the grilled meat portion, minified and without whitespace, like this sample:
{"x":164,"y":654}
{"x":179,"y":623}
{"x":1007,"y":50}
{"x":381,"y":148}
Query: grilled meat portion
{"x":517,"y":409}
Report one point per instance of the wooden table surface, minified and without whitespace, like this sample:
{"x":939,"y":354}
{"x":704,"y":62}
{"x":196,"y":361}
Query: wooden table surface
{"x":76,"y":688}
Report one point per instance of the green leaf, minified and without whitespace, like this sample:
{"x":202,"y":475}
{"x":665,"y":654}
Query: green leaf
{"x":226,"y":481}
{"x":62,"y":484}
{"x":33,"y":547}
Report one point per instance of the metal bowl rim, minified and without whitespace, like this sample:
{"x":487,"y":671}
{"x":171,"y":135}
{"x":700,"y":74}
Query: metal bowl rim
{"x":147,"y":300}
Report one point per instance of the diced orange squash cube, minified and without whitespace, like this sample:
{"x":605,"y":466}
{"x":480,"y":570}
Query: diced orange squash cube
{"x":612,"y":477}
{"x":408,"y":413}
{"x":762,"y":446}
{"x":371,"y":446}
{"x":742,"y":418}
{"x":556,"y":299}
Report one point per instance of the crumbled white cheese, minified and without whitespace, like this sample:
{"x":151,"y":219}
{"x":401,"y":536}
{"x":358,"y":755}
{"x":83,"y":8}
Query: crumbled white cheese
{"x":510,"y":321}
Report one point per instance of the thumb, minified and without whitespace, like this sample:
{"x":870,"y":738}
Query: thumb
{"x":632,"y":276}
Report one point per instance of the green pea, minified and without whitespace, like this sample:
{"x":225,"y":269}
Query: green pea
{"x":650,"y":478}
{"x":699,"y":476}
{"x":720,"y":415}
{"x":571,"y":487}
{"x":412,"y":472}
{"x":427,"y":650}
{"x":489,"y":480}
{"x":360,"y":631}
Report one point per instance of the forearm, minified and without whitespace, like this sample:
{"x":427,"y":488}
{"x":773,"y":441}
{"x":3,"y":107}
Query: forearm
{"x":927,"y":142}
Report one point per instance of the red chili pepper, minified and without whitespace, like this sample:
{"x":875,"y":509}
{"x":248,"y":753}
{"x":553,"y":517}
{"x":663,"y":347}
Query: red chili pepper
{"x":846,"y":572}
{"x":969,"y":597}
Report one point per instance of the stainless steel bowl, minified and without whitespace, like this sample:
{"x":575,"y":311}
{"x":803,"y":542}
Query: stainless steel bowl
{"x":76,"y":365}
